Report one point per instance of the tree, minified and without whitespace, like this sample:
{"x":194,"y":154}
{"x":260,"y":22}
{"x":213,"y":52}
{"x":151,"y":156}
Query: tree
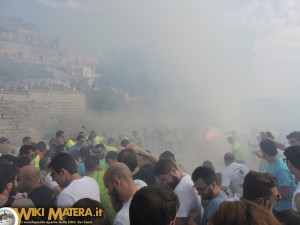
{"x":103,"y":100}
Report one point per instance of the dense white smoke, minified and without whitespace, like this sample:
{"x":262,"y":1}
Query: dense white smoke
{"x":218,"y":63}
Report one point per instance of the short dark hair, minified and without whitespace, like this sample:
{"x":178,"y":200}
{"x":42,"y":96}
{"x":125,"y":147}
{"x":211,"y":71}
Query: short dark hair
{"x":91,"y":162}
{"x":59,"y":133}
{"x":24,"y":150}
{"x":164,"y":166}
{"x":167,"y":155}
{"x":22,"y":161}
{"x":292,"y":154}
{"x":128,"y":157}
{"x":294,"y":134}
{"x":228,"y":157}
{"x":124,"y":142}
{"x":111,"y":155}
{"x":63,"y":161}
{"x":153,"y":205}
{"x":7,"y":174}
{"x":79,"y":137}
{"x":268,"y":147}
{"x":59,"y":149}
{"x":257,"y":185}
{"x":25,"y":139}
{"x":209,"y":164}
{"x":100,"y":146}
{"x":41,"y":145}
{"x":7,"y":158}
{"x":85,"y":152}
{"x":204,"y":173}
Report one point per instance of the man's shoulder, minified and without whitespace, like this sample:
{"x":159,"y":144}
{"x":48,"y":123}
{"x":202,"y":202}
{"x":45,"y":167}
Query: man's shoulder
{"x":233,"y":167}
{"x":273,"y":168}
{"x":41,"y":189}
{"x":219,"y":198}
{"x":98,"y":175}
{"x":83,"y":182}
{"x":185,"y":182}
{"x":185,"y":188}
{"x":227,"y":170}
{"x":216,"y":201}
{"x":78,"y":185}
{"x":88,"y":180}
{"x":186,"y":179}
{"x":23,"y":203}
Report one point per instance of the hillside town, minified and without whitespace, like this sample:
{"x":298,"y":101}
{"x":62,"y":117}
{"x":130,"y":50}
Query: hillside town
{"x":24,"y":42}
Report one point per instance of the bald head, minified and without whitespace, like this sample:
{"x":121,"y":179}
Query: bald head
{"x":120,"y":171}
{"x":30,"y":172}
{"x":119,"y":183}
{"x":29,"y":179}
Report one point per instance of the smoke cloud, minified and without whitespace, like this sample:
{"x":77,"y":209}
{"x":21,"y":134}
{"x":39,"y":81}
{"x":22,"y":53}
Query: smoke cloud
{"x":217,"y":63}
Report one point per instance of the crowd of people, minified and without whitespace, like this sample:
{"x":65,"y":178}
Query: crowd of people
{"x":134,"y":186}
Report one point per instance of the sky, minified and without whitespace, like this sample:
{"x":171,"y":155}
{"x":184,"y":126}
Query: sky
{"x":215,"y":54}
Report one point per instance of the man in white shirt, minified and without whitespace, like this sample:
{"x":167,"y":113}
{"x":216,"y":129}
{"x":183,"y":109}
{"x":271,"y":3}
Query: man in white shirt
{"x":121,"y":188}
{"x":167,"y":173}
{"x":234,"y":174}
{"x":64,"y":172}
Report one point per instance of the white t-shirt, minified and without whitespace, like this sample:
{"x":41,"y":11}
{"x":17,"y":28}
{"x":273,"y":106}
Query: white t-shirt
{"x":235,"y":198}
{"x":84,"y":187}
{"x":49,"y":182}
{"x":122,"y":217}
{"x":188,"y":198}
{"x":139,"y":183}
{"x":297,"y":191}
{"x":233,"y":177}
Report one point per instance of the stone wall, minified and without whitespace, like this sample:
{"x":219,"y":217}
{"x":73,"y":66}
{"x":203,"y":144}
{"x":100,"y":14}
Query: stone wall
{"x":39,"y":114}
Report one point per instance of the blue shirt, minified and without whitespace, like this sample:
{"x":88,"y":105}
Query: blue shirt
{"x":81,"y":169}
{"x":212,"y":207}
{"x":74,"y":147}
{"x":284,"y":178}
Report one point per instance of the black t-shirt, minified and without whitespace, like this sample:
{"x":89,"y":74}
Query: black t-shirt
{"x":42,"y":197}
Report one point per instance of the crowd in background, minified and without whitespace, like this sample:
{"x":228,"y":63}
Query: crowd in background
{"x":132,"y":185}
